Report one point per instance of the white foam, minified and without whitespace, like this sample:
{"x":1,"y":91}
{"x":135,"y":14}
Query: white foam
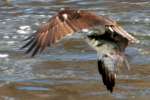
{"x":15,"y":37}
{"x":25,"y":27}
{"x":4,"y":55}
{"x":11,"y":42}
{"x":22,"y":32}
{"x":6,"y":37}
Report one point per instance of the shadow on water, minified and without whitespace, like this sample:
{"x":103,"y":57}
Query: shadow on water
{"x":68,"y":71}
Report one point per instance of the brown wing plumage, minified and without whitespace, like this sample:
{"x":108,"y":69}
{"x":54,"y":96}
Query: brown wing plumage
{"x":68,"y":21}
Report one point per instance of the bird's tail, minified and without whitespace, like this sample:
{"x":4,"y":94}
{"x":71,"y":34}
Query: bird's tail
{"x":107,"y":68}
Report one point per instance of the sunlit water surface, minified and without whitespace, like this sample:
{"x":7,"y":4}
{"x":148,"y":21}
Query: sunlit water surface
{"x":68,"y":71}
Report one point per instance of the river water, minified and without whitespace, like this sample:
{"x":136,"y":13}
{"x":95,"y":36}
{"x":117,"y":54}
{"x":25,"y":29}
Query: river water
{"x":68,"y":71}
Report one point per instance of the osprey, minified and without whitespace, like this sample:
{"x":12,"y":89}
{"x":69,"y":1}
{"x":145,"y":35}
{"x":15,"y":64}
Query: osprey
{"x":102,"y":34}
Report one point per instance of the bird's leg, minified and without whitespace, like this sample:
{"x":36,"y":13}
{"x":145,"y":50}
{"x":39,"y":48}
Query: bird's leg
{"x":126,"y":63}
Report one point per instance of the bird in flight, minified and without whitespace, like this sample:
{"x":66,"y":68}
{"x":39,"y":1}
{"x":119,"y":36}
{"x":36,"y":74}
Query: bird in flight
{"x":103,"y":34}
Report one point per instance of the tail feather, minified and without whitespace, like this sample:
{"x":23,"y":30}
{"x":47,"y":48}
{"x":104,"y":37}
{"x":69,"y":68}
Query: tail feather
{"x":106,"y":68}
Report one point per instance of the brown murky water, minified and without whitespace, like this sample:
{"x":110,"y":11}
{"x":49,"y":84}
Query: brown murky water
{"x":68,"y":71}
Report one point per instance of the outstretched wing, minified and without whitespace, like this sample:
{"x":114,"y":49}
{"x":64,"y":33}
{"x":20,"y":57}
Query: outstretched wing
{"x":67,"y":22}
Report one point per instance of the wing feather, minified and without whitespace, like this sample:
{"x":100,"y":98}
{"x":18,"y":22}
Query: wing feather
{"x":124,"y":34}
{"x":67,"y":22}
